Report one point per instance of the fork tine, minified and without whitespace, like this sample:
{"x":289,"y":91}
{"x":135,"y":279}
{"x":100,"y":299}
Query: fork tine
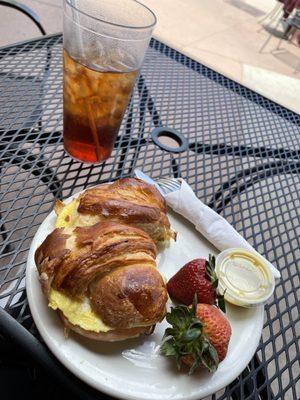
{"x":164,"y":190}
{"x":168,"y":184}
{"x":164,"y":185}
{"x":171,"y":180}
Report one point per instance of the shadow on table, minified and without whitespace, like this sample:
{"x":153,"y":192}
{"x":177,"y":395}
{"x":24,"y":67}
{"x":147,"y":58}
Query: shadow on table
{"x":256,"y":12}
{"x":287,"y":58}
{"x":20,"y":378}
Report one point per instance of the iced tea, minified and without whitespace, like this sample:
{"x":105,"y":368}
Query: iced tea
{"x":95,"y":101}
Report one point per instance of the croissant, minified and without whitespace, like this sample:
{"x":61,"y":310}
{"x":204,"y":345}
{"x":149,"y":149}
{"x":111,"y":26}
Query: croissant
{"x":103,"y":280}
{"x":128,"y":200}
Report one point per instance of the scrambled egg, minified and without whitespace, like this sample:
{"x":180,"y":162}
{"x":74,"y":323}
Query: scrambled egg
{"x":67,"y":215}
{"x":78,"y":312}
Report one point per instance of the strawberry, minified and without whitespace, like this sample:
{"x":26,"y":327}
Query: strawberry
{"x":199,"y":336}
{"x":196,"y":277}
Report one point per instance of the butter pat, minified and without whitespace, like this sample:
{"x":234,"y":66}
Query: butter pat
{"x":244,"y":277}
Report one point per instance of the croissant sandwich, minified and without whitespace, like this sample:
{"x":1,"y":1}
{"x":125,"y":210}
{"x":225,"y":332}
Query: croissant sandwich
{"x":128,"y":200}
{"x":102,"y":279}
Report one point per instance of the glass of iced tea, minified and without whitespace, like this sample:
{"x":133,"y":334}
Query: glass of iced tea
{"x":104,"y":46}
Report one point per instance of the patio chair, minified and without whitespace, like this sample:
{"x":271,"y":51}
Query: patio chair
{"x":294,"y":26}
{"x":26,"y":11}
{"x":272,"y":15}
{"x":275,"y":18}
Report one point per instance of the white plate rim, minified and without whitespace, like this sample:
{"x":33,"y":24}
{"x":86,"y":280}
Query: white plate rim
{"x":110,"y":390}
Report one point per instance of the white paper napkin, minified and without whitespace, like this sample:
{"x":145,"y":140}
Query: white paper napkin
{"x":210,"y":224}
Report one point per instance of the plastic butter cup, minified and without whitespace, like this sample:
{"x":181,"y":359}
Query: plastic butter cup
{"x":244,"y":277}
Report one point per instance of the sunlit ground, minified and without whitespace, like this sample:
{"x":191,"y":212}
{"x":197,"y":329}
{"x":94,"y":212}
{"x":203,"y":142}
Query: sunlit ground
{"x":238,"y":38}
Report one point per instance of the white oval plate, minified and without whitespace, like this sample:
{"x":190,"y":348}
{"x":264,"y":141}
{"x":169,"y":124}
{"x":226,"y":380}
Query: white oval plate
{"x":134,"y":369}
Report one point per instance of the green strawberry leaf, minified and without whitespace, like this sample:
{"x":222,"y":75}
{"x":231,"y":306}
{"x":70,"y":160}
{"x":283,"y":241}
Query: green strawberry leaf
{"x":210,"y":358}
{"x":193,"y":368}
{"x":185,"y":337}
{"x":191,"y":334}
{"x":213,"y":354}
{"x":212,"y":276}
{"x":215,"y":283}
{"x":168,"y":349}
{"x":210,"y":273}
{"x":194,"y":305}
{"x":221,"y":301}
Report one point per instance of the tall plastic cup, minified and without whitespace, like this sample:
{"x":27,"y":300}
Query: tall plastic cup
{"x":104,"y":46}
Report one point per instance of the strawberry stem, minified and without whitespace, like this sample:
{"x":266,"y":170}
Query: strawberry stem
{"x":185,"y":338}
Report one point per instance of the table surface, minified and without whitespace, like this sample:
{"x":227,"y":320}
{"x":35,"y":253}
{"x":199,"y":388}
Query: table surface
{"x":242,"y":159}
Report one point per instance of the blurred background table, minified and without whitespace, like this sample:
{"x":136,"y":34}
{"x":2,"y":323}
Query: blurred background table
{"x":242,"y":159}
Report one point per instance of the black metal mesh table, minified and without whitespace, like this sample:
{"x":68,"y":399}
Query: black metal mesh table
{"x":242,"y":159}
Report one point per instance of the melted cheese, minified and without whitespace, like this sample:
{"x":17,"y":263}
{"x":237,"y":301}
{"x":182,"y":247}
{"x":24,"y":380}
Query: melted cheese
{"x":77,"y":312}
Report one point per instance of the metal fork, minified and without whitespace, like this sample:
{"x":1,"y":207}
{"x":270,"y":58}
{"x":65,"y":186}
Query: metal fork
{"x":168,"y":185}
{"x":164,"y":185}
